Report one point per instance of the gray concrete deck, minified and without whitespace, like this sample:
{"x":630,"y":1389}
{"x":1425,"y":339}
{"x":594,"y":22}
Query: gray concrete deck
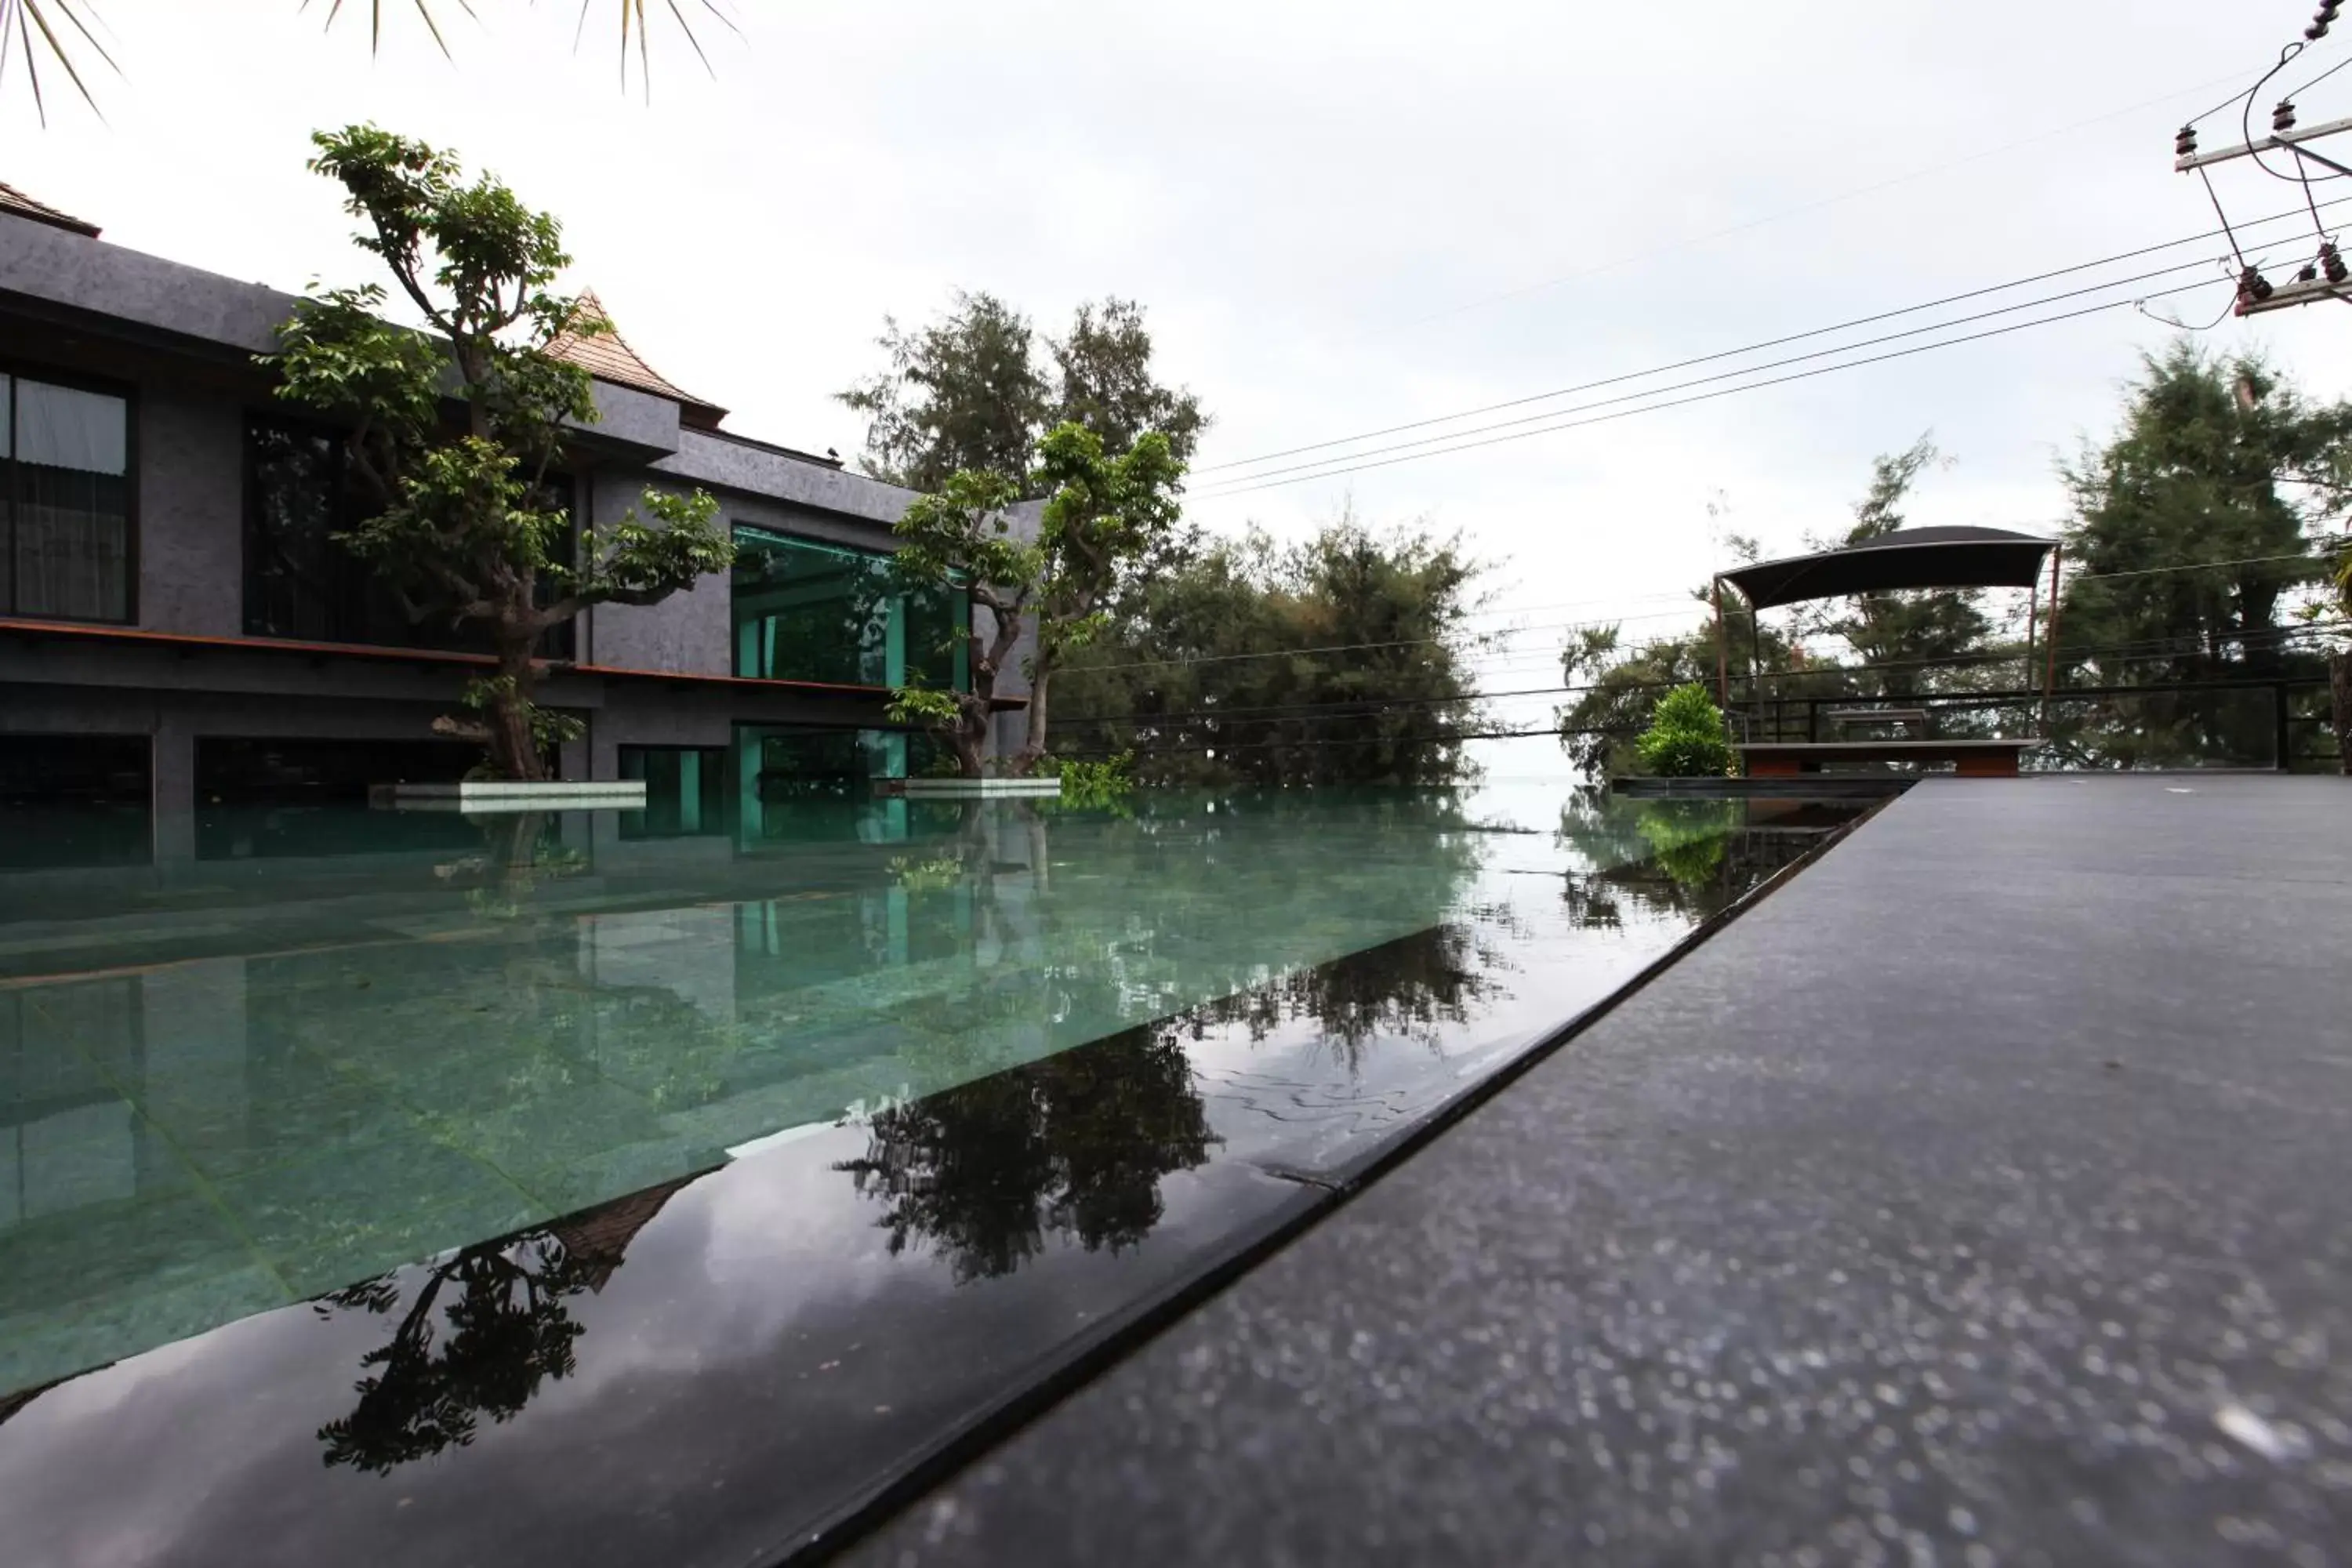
{"x":1983,"y":1196}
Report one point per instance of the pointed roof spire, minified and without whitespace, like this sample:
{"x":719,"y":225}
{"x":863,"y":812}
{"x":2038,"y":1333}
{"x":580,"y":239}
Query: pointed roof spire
{"x":607,"y":356}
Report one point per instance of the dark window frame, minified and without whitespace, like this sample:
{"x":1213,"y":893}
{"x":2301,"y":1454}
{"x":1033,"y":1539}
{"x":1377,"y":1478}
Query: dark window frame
{"x":13,"y":369}
{"x":558,"y":644}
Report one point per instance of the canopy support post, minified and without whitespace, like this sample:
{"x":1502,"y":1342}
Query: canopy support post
{"x":1755,"y":668}
{"x":2032,"y":615}
{"x":1722,"y":655}
{"x":2050,"y":681}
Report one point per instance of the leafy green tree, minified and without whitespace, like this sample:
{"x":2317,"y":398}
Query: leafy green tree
{"x":1103,"y":382}
{"x":1685,"y":738}
{"x":1342,"y":660}
{"x":2219,"y":466}
{"x":1914,"y":640}
{"x":972,"y":390}
{"x":963,"y":394}
{"x":62,"y":30}
{"x":960,"y":535}
{"x":471,"y":531}
{"x":1102,"y":513}
{"x":2215,"y":461}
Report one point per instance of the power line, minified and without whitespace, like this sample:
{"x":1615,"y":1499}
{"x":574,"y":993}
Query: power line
{"x":1710,"y":396}
{"x":1750,"y":348}
{"x":1251,"y":480}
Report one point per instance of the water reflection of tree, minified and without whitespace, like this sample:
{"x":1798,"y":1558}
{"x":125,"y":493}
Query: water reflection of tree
{"x":1686,"y":860}
{"x":1410,"y":988}
{"x":485,"y":1329}
{"x":1072,"y":1146}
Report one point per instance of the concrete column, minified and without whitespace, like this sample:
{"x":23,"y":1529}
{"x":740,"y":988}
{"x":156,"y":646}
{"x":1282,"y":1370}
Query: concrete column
{"x":172,"y":773}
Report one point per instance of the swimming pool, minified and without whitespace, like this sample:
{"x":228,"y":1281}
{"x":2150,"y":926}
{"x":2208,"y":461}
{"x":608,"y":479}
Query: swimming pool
{"x":574,"y":1194}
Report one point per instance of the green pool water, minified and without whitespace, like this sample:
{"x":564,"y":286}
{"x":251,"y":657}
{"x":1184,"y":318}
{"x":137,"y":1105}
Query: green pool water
{"x":231,"y":1083}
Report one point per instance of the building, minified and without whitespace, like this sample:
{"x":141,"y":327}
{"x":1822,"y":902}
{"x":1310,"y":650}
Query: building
{"x":179,"y":632}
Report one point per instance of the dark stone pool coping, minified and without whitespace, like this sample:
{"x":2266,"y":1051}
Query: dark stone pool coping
{"x":1981,"y":1198}
{"x":1324,"y":1196}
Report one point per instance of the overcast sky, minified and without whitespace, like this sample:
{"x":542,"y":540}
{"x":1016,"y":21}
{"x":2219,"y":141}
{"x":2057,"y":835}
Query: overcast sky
{"x":1341,"y":217}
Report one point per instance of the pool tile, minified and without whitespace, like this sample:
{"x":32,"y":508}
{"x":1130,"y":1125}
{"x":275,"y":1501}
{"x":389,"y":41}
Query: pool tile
{"x":367,"y":1208}
{"x":262,"y":1118}
{"x":128,"y":1247}
{"x":546,"y":1130}
{"x":387,"y":1241}
{"x":42,"y":1346}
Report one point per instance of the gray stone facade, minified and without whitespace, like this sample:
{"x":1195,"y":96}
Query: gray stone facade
{"x":178,"y":344}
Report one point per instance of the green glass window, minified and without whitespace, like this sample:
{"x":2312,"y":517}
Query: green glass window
{"x":805,"y":611}
{"x":686,"y":790}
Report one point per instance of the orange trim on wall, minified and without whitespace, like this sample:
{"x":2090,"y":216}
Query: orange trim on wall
{"x":135,"y":637}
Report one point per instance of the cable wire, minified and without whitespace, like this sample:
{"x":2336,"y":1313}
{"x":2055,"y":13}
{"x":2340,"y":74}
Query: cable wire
{"x":1354,"y":467}
{"x":1250,"y":480}
{"x":1755,"y":347}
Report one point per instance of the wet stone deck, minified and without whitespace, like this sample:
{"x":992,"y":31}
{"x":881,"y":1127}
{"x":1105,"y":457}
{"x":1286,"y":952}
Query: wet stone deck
{"x":1985,"y":1196}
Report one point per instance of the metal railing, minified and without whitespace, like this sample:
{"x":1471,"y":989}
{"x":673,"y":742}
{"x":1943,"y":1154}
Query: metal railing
{"x":2281,"y":723}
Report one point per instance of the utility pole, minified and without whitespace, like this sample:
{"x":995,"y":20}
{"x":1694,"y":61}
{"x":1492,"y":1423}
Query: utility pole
{"x":2326,"y":276}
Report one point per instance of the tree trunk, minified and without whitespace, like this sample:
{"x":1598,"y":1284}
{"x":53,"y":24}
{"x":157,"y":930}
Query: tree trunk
{"x":1034,"y":748}
{"x":969,"y":735}
{"x":2339,"y":682}
{"x":513,"y":751}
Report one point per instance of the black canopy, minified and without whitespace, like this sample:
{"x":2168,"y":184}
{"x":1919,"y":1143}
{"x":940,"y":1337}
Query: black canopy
{"x":1908,"y":558}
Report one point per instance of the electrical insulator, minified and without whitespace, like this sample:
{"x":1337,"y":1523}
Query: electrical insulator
{"x":2184,"y":145}
{"x":2331,"y":261}
{"x":2323,"y":19}
{"x":2253,"y":285}
{"x":2282,"y":118}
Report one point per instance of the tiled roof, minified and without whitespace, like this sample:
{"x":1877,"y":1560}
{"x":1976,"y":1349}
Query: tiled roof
{"x":607,"y":356}
{"x":16,"y":203}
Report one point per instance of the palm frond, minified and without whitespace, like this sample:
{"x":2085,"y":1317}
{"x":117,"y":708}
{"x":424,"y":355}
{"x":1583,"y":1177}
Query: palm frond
{"x":61,"y":30}
{"x":32,"y":27}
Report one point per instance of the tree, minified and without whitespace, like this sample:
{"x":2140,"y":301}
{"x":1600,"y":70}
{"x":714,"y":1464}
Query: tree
{"x":970,"y":392}
{"x":963,"y":395}
{"x":960,"y":535}
{"x":1685,"y":738}
{"x":2220,"y":467}
{"x":1911,"y":638}
{"x":1102,"y":513}
{"x":62,"y":28}
{"x":471,"y":529}
{"x":1104,"y":383}
{"x":1341,"y":659}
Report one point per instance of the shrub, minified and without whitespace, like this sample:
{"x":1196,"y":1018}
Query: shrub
{"x":1089,"y":783}
{"x":1685,"y":738}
